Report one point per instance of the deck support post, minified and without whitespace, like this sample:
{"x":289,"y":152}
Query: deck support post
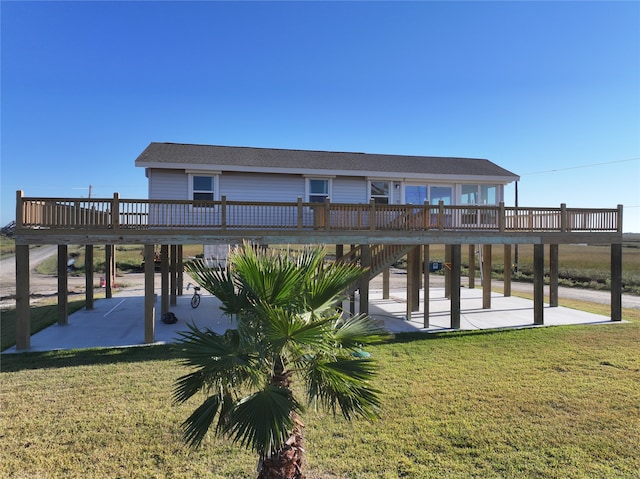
{"x":180,"y":262}
{"x":486,"y":276}
{"x":23,"y":308}
{"x":507,"y":271}
{"x":63,"y":286}
{"x":88,"y":276}
{"x":164,"y":279}
{"x":416,"y":278}
{"x":149,"y":294}
{"x":108,"y":271}
{"x":426,"y":285}
{"x":173,"y":267}
{"x":386,"y":276}
{"x":455,"y":285}
{"x":553,"y":275}
{"x":616,"y":282}
{"x":447,"y":271}
{"x":472,"y":266}
{"x":538,"y":284}
{"x":364,"y":281}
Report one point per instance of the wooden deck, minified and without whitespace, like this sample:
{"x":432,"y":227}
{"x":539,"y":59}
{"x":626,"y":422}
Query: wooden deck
{"x":120,"y":221}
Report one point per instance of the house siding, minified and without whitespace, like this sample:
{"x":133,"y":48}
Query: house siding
{"x":349,"y":189}
{"x":260,"y":187}
{"x":168,"y":185}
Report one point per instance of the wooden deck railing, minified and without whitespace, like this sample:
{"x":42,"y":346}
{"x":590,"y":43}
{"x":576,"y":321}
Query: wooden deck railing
{"x":116,"y":213}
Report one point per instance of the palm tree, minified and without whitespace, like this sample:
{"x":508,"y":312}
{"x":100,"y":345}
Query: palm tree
{"x":289,"y":328}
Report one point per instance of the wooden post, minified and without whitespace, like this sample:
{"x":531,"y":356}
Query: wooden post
{"x":447,"y":271}
{"x":426,"y":285}
{"x":164,"y":279}
{"x":472,"y":266}
{"x":553,"y":275}
{"x":173,"y":269}
{"x":486,"y":276}
{"x":364,"y":281}
{"x":417,"y":278}
{"x":616,"y":282}
{"x":385,"y":283}
{"x":23,"y":310}
{"x":88,"y":276}
{"x":409,"y":286}
{"x":223,"y":212}
{"x":180,"y":270}
{"x":115,"y":211}
{"x":108,"y":250}
{"x":455,"y":285}
{"x":538,"y":284}
{"x":563,"y":217}
{"x":149,"y":294}
{"x":507,"y":270}
{"x":63,"y":286}
{"x":352,"y":297}
{"x":501,"y":217}
{"x":372,"y":214}
{"x":327,"y":214}
{"x":339,"y":251}
{"x":299,"y":211}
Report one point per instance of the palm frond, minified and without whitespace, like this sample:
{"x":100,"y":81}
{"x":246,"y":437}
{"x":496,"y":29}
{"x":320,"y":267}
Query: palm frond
{"x":359,"y":330}
{"x":328,"y":285}
{"x":344,"y":383}
{"x":268,"y":278}
{"x":220,"y":283}
{"x":287,"y":331}
{"x":220,"y":361}
{"x":263,"y":421}
{"x":195,"y":427}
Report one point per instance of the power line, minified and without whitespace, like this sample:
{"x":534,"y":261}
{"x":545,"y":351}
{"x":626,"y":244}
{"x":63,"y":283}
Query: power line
{"x":580,"y":166}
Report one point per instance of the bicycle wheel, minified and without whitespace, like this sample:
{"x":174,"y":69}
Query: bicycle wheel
{"x":195,"y":300}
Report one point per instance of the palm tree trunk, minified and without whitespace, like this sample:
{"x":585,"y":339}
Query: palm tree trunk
{"x":288,"y":461}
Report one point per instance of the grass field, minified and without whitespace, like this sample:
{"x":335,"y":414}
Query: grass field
{"x":552,"y":402}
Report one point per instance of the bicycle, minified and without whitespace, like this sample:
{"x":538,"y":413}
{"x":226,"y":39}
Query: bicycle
{"x":195,"y":299}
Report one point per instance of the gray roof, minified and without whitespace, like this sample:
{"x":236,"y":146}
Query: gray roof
{"x":172,"y":155}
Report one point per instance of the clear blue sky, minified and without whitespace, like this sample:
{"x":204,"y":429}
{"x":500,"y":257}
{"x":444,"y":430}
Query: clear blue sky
{"x":548,"y":90}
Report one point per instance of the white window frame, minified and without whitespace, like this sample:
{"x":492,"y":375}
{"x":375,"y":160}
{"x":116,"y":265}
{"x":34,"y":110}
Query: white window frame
{"x":215,"y":176}
{"x":380,"y":180}
{"x":307,"y":187}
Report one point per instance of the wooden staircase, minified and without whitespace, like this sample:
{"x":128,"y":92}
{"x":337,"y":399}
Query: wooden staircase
{"x":382,"y":257}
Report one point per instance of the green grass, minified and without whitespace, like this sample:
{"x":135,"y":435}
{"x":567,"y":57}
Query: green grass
{"x":43,"y":314}
{"x":128,"y":258}
{"x":7,"y":246}
{"x":538,"y":403}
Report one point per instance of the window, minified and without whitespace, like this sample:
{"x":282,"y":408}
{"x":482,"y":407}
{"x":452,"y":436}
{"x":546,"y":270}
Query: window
{"x":469,"y":195}
{"x":202,"y":188}
{"x":318,"y":189}
{"x":415,"y":194}
{"x":479,"y":195}
{"x":437,"y":193}
{"x":489,"y":194}
{"x":380,"y":192}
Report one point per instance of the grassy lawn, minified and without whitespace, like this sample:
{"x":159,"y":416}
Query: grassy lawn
{"x":537,"y":403}
{"x":43,"y":314}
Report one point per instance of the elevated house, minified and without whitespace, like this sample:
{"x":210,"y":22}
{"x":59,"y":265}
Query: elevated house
{"x":381,"y":207}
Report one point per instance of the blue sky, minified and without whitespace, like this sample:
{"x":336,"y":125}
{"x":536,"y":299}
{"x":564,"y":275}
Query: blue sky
{"x":547,"y":90}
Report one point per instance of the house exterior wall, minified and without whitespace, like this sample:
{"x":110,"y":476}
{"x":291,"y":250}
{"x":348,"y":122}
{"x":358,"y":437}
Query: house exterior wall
{"x":261,"y":187}
{"x":168,"y":185}
{"x":173,"y":184}
{"x":349,"y":189}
